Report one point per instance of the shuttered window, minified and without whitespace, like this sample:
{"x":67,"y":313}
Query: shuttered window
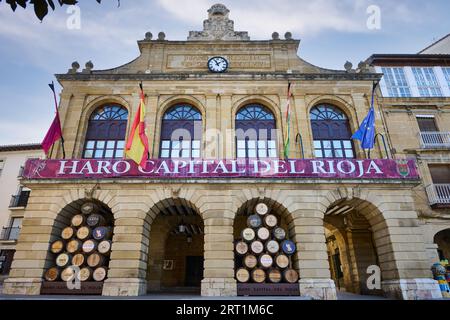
{"x":440,"y":173}
{"x":427,"y":124}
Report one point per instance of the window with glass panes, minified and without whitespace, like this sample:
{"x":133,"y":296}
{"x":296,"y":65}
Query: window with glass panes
{"x":105,"y":137}
{"x":331,"y":133}
{"x":255,"y":133}
{"x":396,"y":82}
{"x":427,"y":82}
{"x":181,"y":133}
{"x":446,"y":72}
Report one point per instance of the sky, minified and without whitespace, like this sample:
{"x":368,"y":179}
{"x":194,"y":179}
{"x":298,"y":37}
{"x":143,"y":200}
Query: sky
{"x":331,"y":33}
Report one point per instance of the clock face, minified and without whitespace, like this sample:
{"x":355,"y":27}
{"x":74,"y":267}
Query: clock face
{"x":217,"y":64}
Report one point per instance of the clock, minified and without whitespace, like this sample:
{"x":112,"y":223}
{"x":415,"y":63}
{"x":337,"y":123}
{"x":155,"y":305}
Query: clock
{"x":217,"y":64}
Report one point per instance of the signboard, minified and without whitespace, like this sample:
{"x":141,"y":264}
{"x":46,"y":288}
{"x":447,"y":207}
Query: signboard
{"x":273,"y":168}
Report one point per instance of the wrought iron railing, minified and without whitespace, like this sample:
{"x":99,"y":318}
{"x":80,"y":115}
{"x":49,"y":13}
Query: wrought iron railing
{"x":439,"y":194}
{"x":434,"y":140}
{"x":20,"y":200}
{"x":10,"y":233}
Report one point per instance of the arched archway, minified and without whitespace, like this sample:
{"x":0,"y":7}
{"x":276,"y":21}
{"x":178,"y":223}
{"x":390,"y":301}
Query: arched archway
{"x":79,"y":249}
{"x":353,"y":230}
{"x":175,"y":258}
{"x":442,"y":239}
{"x":265,"y":261}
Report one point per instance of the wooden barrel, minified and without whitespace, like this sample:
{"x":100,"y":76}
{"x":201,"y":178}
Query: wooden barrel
{"x":257,"y":247}
{"x":270,"y":221}
{"x":262,"y":209}
{"x":279,"y":234}
{"x":73,"y":246}
{"x":250,"y":261}
{"x":274,"y":275}
{"x":95,"y":260}
{"x":51,"y":274}
{"x":263,"y":233}
{"x":89,"y":246}
{"x":57,"y":246}
{"x":288,"y":247}
{"x":85,"y":274}
{"x":77,"y":220}
{"x":104,"y":247}
{"x":241,"y":248}
{"x":272,"y":247}
{"x":258,"y":275}
{"x":68,"y":233}
{"x":282,"y":261}
{"x":68,"y":274}
{"x":100,"y":274}
{"x":248,"y":234}
{"x":78,"y":260}
{"x":266,"y":261}
{"x":83,"y":233}
{"x":290,"y":275}
{"x":254,"y":221}
{"x":242,"y":275}
{"x":95,"y":220}
{"x":63,"y":260}
{"x":101,"y":233}
{"x":89,"y":207}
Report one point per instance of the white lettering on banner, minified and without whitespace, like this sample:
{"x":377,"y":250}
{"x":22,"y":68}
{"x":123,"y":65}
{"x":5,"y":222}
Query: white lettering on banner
{"x":62,"y":167}
{"x":116,"y":165}
{"x":177,"y":166}
{"x":103,"y":167}
{"x":293,"y":171}
{"x":222,"y":167}
{"x":141,"y":170}
{"x":87,"y":166}
{"x":277,"y":165}
{"x":341,"y":168}
{"x":373,"y":166}
{"x":234,"y":167}
{"x":318,"y":165}
{"x":164,"y":166}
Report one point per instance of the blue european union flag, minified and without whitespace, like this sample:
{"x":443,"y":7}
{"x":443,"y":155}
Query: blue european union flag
{"x":366,"y":132}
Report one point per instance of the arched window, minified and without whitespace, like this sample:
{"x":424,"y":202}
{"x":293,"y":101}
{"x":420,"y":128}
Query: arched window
{"x":105,"y":137}
{"x":255,"y":132}
{"x":331,"y":133}
{"x":181,"y":132}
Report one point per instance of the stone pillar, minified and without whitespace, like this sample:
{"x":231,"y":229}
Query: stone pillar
{"x":403,"y":260}
{"x":219,"y":256}
{"x":312,"y":259}
{"x":128,"y":264}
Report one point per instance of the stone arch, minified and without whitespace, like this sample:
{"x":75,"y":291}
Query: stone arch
{"x":63,"y":218}
{"x":337,"y":101}
{"x":442,"y":240}
{"x":90,"y":107}
{"x":162,"y":222}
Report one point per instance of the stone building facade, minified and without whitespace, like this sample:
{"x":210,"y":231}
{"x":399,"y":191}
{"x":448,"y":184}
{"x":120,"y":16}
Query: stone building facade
{"x":374,"y":219}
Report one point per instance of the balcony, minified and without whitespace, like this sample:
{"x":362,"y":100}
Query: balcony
{"x":20,"y":200}
{"x":439,"y":195}
{"x":10,"y":233}
{"x":434,"y":140}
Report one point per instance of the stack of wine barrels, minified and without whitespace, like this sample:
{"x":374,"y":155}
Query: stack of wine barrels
{"x":264,"y":254}
{"x":85,"y":244}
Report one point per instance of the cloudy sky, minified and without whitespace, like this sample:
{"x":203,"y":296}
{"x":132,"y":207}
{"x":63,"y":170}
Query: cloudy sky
{"x":331,"y":31}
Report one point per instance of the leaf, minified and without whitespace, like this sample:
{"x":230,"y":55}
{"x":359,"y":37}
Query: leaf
{"x":22,"y":3}
{"x":52,"y":5}
{"x":40,"y":8}
{"x":13,"y":4}
{"x":68,"y":2}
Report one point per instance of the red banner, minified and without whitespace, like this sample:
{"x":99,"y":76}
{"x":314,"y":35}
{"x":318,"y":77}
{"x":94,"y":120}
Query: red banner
{"x":170,"y":168}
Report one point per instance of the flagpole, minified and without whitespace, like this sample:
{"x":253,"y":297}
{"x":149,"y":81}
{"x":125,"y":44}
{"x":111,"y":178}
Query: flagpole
{"x":52,"y":87}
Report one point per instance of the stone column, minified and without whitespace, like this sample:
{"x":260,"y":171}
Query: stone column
{"x":128,"y":264}
{"x":400,"y":246}
{"x":312,"y":259}
{"x":219,"y":256}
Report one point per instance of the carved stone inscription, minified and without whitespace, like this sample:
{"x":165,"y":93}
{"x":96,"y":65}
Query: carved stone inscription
{"x":237,"y":61}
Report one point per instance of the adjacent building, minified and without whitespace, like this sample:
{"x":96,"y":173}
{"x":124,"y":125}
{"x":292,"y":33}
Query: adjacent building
{"x":217,"y":126}
{"x":13,"y":199}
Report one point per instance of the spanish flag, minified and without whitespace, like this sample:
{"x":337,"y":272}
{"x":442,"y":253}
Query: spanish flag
{"x":287,"y":131}
{"x":137,"y":144}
